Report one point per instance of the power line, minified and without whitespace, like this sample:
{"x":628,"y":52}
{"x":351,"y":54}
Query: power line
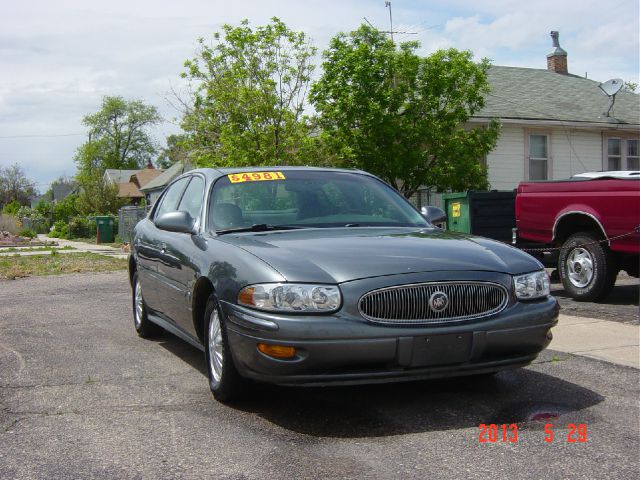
{"x":44,"y":135}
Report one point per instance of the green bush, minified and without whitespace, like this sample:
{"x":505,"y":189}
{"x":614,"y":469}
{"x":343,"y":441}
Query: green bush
{"x":82,"y":227}
{"x":65,"y":209}
{"x":27,"y":232}
{"x":60,"y":229}
{"x":12,"y":207}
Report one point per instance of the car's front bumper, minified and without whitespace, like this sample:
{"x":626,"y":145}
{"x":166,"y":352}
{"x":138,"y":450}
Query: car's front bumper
{"x":344,"y":349}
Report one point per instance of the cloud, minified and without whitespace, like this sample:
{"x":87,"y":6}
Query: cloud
{"x":59,"y":58}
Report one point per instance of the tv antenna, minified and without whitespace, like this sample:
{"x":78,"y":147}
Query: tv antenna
{"x":610,"y":88}
{"x":387,"y":4}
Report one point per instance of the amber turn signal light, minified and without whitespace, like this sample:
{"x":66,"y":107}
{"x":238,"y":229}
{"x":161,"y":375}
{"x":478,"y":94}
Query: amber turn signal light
{"x":277,"y":351}
{"x":246,"y":296}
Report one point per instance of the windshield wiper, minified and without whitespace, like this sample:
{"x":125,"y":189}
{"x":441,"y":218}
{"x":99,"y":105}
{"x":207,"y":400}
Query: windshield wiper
{"x":258,"y":227}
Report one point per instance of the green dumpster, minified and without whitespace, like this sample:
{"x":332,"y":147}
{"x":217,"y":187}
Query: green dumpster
{"x":457,"y":208}
{"x":104,"y":230}
{"x":487,"y":214}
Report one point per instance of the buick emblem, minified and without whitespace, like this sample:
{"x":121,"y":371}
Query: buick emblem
{"x":438,"y":301}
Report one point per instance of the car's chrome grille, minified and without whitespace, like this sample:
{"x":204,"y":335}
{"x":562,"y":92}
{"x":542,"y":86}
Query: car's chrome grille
{"x":414,"y":304}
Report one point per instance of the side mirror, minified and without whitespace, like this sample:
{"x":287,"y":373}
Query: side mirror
{"x":180,"y":222}
{"x":434,"y":215}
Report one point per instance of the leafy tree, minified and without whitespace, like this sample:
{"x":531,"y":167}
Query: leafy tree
{"x":14,"y":185}
{"x":65,"y":208}
{"x":249,"y":95}
{"x":98,"y":196}
{"x":118,"y":136}
{"x":401,"y":116}
{"x":174,"y":152}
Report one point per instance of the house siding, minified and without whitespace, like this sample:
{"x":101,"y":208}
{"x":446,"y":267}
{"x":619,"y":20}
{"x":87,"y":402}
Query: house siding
{"x":576,"y":151}
{"x":571,"y":151}
{"x":505,"y":163}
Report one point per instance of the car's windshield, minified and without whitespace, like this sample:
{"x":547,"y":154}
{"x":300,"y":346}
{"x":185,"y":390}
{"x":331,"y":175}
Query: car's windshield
{"x":304,"y":198}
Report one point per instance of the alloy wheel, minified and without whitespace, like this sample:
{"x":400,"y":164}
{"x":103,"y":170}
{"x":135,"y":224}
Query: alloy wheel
{"x":139,"y":305}
{"x":580,"y":267}
{"x":215,"y":346}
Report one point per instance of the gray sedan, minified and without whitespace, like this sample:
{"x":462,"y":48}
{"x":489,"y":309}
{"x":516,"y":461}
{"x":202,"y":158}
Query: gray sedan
{"x":311,"y":276}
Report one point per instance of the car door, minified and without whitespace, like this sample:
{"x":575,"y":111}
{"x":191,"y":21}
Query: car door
{"x":180,"y":268}
{"x":152,"y":249}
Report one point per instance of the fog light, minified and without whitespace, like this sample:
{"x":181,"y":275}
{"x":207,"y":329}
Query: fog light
{"x":277,"y":351}
{"x":549,"y":335}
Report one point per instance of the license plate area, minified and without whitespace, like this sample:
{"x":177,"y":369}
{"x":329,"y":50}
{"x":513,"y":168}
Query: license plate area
{"x":441,"y":349}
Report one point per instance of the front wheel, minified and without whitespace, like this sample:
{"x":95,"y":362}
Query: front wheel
{"x":587,"y":268}
{"x":145,"y":328}
{"x":224,"y":380}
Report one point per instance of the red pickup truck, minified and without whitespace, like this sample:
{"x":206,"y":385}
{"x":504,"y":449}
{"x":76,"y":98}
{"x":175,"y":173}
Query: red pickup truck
{"x":591,"y":220}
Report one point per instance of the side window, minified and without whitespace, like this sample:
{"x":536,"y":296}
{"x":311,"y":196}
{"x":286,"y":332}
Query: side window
{"x":614,"y":154}
{"x":172,"y":197}
{"x":538,"y":157}
{"x":633,"y":156}
{"x":192,"y":199}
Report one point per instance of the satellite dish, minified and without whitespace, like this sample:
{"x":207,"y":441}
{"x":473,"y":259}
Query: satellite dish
{"x":611,"y":87}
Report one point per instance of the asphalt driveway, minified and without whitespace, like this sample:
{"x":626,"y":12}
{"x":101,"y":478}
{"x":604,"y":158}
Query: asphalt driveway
{"x":81,"y":396}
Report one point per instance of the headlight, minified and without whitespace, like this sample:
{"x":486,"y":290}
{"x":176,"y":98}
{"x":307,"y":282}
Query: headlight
{"x":532,"y":285}
{"x":291,"y":297}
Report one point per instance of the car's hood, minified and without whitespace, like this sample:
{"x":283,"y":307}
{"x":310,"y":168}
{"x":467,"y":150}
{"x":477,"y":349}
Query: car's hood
{"x":343,"y":254}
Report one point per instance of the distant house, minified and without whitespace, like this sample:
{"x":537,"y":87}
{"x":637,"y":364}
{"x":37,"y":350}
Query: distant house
{"x":59,"y":191}
{"x":554,"y":124}
{"x":155,"y":187}
{"x":129,"y":182}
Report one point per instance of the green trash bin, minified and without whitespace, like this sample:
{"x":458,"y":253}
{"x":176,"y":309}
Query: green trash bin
{"x":487,"y":214}
{"x":457,"y":208}
{"x":104,"y":230}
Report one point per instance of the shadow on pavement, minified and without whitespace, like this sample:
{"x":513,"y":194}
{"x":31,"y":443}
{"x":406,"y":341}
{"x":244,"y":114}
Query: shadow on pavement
{"x":620,"y":295}
{"x":513,"y":396}
{"x":396,"y":409}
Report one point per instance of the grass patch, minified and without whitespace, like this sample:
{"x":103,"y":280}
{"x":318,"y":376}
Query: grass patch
{"x":35,"y":249}
{"x":12,"y":267}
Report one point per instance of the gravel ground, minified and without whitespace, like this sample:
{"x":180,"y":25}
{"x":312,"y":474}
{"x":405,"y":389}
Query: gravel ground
{"x":81,"y":396}
{"x":620,"y":306}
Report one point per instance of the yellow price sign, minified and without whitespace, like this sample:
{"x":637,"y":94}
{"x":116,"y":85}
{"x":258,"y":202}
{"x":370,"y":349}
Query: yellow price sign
{"x":455,"y":209}
{"x":255,"y":177}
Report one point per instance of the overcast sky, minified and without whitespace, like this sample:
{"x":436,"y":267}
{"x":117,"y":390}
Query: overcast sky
{"x":58,"y":58}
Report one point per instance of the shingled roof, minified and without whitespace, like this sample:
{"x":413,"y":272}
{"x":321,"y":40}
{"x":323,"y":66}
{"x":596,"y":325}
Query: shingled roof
{"x":165,"y":178}
{"x":533,"y":94}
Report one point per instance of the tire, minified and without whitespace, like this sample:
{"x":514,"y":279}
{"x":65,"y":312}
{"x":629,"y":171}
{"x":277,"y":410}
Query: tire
{"x":224,"y":380}
{"x":587,"y":270}
{"x":145,"y":328}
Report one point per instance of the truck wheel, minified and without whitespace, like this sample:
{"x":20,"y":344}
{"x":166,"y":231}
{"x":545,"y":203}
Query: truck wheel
{"x":588,"y":270}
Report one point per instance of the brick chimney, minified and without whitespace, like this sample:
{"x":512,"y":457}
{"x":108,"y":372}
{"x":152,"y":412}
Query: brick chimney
{"x":557,"y":59}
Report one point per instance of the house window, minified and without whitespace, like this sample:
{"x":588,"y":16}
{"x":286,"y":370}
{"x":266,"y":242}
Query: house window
{"x":633,"y":159}
{"x":622,"y":154}
{"x":614,"y":154}
{"x":538,"y":157}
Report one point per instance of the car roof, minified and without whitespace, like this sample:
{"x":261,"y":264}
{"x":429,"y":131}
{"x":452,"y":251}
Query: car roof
{"x":220,"y":172}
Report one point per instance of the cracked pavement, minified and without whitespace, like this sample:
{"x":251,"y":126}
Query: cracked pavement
{"x":81,"y":396}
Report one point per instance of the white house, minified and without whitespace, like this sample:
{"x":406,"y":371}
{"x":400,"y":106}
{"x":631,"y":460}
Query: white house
{"x":554,"y":124}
